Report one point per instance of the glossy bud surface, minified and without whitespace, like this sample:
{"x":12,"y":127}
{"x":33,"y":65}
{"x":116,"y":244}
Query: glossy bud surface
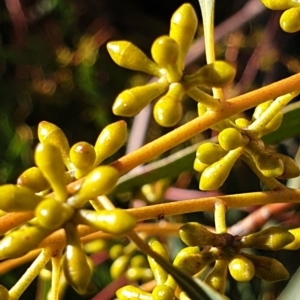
{"x":289,"y":20}
{"x":33,"y":179}
{"x":130,"y":292}
{"x":49,"y":160}
{"x":115,"y":221}
{"x":52,"y":214}
{"x":209,"y":153}
{"x":231,"y":138}
{"x":52,"y":134}
{"x":110,"y":140}
{"x":130,"y":102}
{"x":241,"y":268}
{"x":17,"y":198}
{"x":99,"y":181}
{"x":127,"y":55}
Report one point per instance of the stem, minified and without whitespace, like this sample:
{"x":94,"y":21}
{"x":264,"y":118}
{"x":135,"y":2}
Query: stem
{"x":179,"y":135}
{"x":220,"y":214}
{"x":208,"y":10}
{"x":17,"y":290}
{"x":56,"y":272}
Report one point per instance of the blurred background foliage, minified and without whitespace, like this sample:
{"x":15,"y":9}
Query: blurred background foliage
{"x":54,"y":66}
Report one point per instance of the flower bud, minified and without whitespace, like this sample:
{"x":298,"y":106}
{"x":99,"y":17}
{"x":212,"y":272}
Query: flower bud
{"x":280,"y":4}
{"x":130,"y":102}
{"x":115,"y":221}
{"x":291,"y":168}
{"x":17,"y":198}
{"x":192,"y":261}
{"x":241,"y":268}
{"x":167,"y":112}
{"x":267,"y":268}
{"x":163,"y":292}
{"x":76,"y":267}
{"x":199,"y":166}
{"x":216,"y":74}
{"x":295,"y":245}
{"x":183,"y":27}
{"x":165,"y":53}
{"x":159,"y":273}
{"x":217,"y":277}
{"x":82,"y":155}
{"x":119,"y":266}
{"x":209,"y":153}
{"x":49,"y":160}
{"x":194,"y":234}
{"x":52,"y":134}
{"x":99,"y":181}
{"x":110,"y":140}
{"x":21,"y":241}
{"x":168,"y":109}
{"x":272,"y":238}
{"x":289,"y":20}
{"x":52,"y":214}
{"x":127,"y":55}
{"x":215,"y":175}
{"x":33,"y":179}
{"x":232,"y":138}
{"x":130,"y":292}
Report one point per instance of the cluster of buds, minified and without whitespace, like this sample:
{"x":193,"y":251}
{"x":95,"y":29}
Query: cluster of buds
{"x":289,"y":20}
{"x":225,"y":250}
{"x":168,"y":53}
{"x":242,"y":138}
{"x":60,"y":210}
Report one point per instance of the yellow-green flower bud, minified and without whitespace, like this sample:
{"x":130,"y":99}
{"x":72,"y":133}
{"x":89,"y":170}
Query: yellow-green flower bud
{"x":216,"y":74}
{"x":99,"y":181}
{"x":115,"y":251}
{"x":18,"y":198}
{"x":49,"y":160}
{"x":167,"y":113}
{"x":159,"y":273}
{"x":33,"y":179}
{"x":296,"y":243}
{"x":139,"y":261}
{"x":52,"y":214}
{"x":115,"y":221}
{"x":110,"y":140}
{"x":83,"y":156}
{"x":194,"y":234}
{"x":291,"y":168}
{"x":217,"y":277}
{"x":215,"y":175}
{"x":139,"y":274}
{"x":4,"y":295}
{"x":130,"y":102}
{"x":192,"y":261}
{"x":127,"y":55}
{"x":242,"y":122}
{"x":199,"y":166}
{"x":21,"y":241}
{"x":289,"y":20}
{"x":272,"y":238}
{"x":269,"y":164}
{"x":241,"y":268}
{"x":52,"y":134}
{"x":209,"y":153}
{"x":165,"y":53}
{"x":232,"y":138}
{"x":280,"y":4}
{"x":130,"y":292}
{"x":267,"y":268}
{"x":163,"y":292}
{"x":183,"y":27}
{"x":119,"y":266}
{"x":76,"y":267}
